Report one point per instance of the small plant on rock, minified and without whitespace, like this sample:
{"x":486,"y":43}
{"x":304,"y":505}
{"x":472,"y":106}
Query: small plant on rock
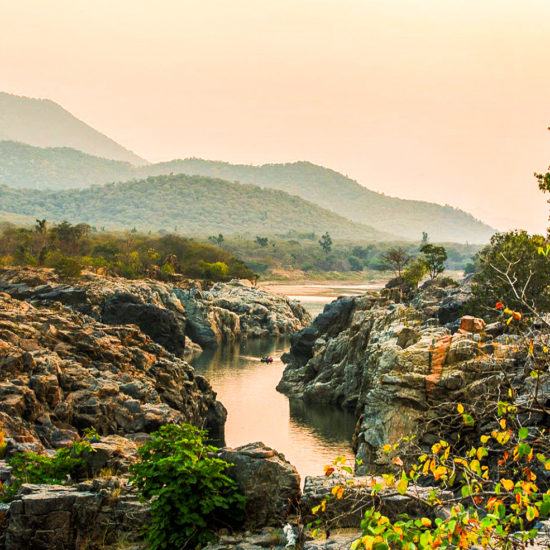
{"x":189,"y":492}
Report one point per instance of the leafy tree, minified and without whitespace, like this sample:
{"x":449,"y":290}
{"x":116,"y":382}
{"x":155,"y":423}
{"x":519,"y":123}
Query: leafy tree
{"x":326,"y":243}
{"x":187,"y":487}
{"x":511,"y":257}
{"x":397,"y":259}
{"x":416,"y":270}
{"x":435,"y":259}
{"x":355,"y":263}
{"x":262,"y":241}
{"x":217,"y":240}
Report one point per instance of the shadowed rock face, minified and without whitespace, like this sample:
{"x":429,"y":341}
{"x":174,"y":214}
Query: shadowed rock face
{"x":61,"y":371}
{"x":269,"y":482}
{"x":165,"y":312}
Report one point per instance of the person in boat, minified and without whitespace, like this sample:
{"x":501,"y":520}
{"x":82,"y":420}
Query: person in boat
{"x":267,"y":359}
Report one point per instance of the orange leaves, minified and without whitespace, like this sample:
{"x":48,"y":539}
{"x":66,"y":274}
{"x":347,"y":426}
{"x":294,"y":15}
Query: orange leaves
{"x":508,"y":484}
{"x":337,"y":491}
{"x":328,"y":470}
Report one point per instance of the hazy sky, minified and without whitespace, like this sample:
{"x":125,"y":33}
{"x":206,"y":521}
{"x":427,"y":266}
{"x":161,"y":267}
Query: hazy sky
{"x":443,"y":100}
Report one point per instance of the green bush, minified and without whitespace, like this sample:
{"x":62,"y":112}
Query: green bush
{"x":189,"y":492}
{"x":416,"y":270}
{"x":66,"y":465}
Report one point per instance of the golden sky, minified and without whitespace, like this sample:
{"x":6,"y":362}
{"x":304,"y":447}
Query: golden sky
{"x":442,"y":100}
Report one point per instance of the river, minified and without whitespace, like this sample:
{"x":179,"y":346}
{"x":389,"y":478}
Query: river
{"x":309,"y":436}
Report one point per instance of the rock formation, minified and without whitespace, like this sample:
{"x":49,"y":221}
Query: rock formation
{"x":172,"y":315}
{"x":61,"y":371}
{"x":396,"y":365}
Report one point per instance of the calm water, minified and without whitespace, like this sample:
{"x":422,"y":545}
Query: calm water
{"x":309,"y":436}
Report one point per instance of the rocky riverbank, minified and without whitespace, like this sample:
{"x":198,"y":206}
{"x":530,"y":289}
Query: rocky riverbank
{"x":402,"y":367}
{"x":184,"y":318}
{"x":107,"y":353}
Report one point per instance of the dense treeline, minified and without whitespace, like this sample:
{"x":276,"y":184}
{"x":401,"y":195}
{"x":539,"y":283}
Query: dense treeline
{"x":70,"y":248}
{"x":304,"y":253}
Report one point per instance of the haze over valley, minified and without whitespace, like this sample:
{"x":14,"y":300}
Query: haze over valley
{"x":331,"y":201}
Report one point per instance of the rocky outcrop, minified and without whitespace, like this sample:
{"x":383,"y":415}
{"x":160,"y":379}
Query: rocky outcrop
{"x":395,"y":364}
{"x":270,"y":484}
{"x":61,"y":371}
{"x":91,"y":515}
{"x":168,"y":313}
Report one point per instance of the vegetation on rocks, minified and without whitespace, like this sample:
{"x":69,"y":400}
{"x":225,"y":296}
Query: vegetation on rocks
{"x":189,"y":491}
{"x":514,"y":270}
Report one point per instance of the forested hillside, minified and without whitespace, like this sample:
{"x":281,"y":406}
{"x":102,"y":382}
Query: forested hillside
{"x":192,"y":205}
{"x":43,"y":123}
{"x":25,"y":166}
{"x":62,"y":168}
{"x":346,"y":197}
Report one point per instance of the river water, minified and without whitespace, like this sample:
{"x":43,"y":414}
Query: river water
{"x":309,"y":436}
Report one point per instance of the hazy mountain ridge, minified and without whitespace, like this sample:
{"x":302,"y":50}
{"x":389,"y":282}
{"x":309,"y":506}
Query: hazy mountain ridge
{"x":192,"y":205}
{"x":334,"y":191}
{"x":60,"y":168}
{"x":44,"y":123}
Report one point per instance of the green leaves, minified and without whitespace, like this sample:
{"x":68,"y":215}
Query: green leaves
{"x":188,"y":490}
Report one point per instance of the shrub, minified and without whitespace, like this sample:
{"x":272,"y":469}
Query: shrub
{"x":414,"y":273}
{"x":216,"y":271}
{"x":66,"y":465}
{"x":189,"y":492}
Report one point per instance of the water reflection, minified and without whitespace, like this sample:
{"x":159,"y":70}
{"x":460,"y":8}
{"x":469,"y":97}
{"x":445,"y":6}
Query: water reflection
{"x":309,"y":436}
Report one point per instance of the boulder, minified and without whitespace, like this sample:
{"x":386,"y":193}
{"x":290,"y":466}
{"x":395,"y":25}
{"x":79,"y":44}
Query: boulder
{"x":58,"y":517}
{"x":163,"y":326}
{"x":167,"y":312}
{"x":269,"y":482}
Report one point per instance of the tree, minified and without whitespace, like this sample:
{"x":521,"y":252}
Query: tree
{"x":326,"y":243}
{"x":511,"y":257}
{"x":355,"y":263}
{"x":544,"y":179}
{"x":424,"y":239}
{"x":397,"y":259}
{"x":416,"y":270}
{"x":262,"y":241}
{"x":435,"y":259}
{"x":218,"y":240}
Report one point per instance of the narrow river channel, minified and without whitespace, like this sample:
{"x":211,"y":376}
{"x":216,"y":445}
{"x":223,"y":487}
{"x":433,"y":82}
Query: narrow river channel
{"x":309,"y":436}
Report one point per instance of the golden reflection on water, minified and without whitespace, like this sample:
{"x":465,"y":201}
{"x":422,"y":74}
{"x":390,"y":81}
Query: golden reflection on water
{"x":309,"y":436}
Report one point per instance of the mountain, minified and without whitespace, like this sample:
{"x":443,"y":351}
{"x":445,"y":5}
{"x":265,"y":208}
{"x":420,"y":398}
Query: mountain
{"x":192,"y":205}
{"x":23,"y":165}
{"x":43,"y":123}
{"x":336,"y":192}
{"x":60,"y":168}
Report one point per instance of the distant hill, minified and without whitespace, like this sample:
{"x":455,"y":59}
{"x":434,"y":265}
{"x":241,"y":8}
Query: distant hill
{"x":43,"y":123}
{"x":23,"y":165}
{"x":336,"y":192}
{"x":192,"y":205}
{"x":62,"y":168}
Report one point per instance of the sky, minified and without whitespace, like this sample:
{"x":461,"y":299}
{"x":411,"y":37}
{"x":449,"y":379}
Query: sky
{"x":439,"y":100}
